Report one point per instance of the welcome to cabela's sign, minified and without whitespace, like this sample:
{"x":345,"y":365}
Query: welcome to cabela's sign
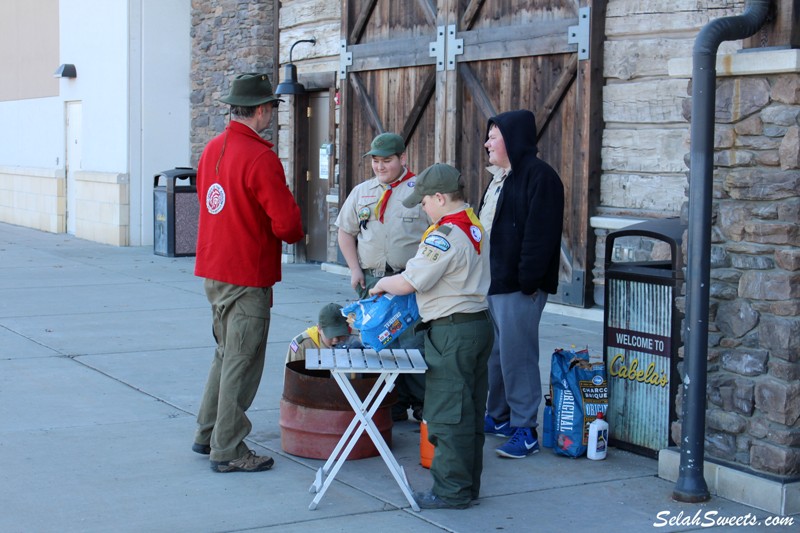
{"x":638,"y":352}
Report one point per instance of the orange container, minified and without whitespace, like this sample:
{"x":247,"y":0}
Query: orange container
{"x":426,"y":449}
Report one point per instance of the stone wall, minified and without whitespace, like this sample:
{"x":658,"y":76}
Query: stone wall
{"x":229,"y":37}
{"x":753,"y":410}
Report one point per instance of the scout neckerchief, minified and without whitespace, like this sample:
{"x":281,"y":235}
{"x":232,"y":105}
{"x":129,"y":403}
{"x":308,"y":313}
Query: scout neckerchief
{"x":467,"y":221}
{"x":380,"y":209}
{"x":313,"y":333}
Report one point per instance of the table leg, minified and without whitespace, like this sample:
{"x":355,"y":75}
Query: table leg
{"x":365,"y":410}
{"x":347,"y":432}
{"x":363,"y":417}
{"x":388,"y":457}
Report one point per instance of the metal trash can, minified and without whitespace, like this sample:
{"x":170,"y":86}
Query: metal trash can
{"x":175,"y":212}
{"x":642,"y":333}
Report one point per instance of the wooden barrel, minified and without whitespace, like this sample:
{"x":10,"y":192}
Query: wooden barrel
{"x":314,"y":414}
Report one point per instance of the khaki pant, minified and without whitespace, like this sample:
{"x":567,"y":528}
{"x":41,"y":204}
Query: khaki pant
{"x":240,"y":324}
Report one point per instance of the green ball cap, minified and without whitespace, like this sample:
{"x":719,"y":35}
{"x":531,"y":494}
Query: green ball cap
{"x":331,"y":321}
{"x":386,"y":144}
{"x":435,"y":178}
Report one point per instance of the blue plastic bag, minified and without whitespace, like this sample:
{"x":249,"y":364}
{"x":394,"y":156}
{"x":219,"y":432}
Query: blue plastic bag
{"x":579,"y":392}
{"x":381,"y":319}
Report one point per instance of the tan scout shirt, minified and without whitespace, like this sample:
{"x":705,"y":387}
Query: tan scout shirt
{"x":307,"y":340}
{"x":396,"y":240}
{"x":489,"y":206}
{"x":448,"y":274}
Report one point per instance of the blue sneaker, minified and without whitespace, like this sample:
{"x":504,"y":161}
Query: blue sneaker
{"x":521,"y":444}
{"x":503,"y":429}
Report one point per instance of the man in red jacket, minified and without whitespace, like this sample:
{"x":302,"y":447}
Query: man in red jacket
{"x":246,"y":210}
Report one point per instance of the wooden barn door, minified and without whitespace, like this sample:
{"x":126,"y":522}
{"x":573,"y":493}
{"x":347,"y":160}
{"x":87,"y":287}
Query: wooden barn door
{"x":434,"y":71}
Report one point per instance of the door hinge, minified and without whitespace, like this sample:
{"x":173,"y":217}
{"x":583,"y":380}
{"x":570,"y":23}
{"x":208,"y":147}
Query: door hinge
{"x":580,"y":34}
{"x":308,"y":239}
{"x":455,"y":47}
{"x":436,"y":49}
{"x":308,"y":175}
{"x":345,"y":59}
{"x":308,"y":112}
{"x":446,"y":45}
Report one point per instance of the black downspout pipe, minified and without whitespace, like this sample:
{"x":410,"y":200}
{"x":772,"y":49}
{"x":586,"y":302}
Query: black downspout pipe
{"x":691,"y":485}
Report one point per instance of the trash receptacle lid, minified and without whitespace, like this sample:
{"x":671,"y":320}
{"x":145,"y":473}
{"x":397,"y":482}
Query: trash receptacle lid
{"x":667,"y":230}
{"x":176,"y":173}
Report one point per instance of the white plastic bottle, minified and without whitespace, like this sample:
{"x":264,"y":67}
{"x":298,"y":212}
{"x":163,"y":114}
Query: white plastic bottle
{"x":598,"y":439}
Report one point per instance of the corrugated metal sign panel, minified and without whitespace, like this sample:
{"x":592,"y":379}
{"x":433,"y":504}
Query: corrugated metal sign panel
{"x":639,"y":325}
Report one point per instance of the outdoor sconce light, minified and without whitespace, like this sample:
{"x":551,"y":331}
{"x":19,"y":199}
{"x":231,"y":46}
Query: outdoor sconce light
{"x":290,"y":85}
{"x":67,"y":70}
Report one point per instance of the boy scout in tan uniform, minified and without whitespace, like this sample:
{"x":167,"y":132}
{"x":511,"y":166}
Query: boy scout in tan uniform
{"x":378,"y":235}
{"x":451,"y":278}
{"x":330,"y":330}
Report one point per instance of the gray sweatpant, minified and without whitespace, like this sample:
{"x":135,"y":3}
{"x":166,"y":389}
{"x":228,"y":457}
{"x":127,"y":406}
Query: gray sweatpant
{"x":515,"y":386}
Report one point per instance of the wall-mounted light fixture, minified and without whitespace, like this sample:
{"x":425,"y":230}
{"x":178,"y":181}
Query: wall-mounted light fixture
{"x":67,"y":70}
{"x":290,"y":85}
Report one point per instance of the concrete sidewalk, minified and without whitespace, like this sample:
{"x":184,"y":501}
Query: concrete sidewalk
{"x":104,"y":352}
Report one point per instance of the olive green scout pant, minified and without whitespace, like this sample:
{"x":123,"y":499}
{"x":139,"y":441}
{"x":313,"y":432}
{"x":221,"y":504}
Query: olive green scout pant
{"x":457,"y":351}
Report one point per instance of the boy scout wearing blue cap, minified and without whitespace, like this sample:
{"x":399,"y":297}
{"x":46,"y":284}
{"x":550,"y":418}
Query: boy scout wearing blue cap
{"x":451,"y":278}
{"x":378,"y":235}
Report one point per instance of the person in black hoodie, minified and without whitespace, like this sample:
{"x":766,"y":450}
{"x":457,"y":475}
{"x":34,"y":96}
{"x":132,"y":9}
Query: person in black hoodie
{"x":523,"y":213}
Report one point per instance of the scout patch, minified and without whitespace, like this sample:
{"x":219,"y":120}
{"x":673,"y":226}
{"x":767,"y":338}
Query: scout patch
{"x":215,"y":198}
{"x":431,"y":253}
{"x":476,"y":232}
{"x":437,"y":241}
{"x":363,"y":217}
{"x":294,"y":346}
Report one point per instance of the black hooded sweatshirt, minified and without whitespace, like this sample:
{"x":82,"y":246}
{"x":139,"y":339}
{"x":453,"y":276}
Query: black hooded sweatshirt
{"x":525,"y":240}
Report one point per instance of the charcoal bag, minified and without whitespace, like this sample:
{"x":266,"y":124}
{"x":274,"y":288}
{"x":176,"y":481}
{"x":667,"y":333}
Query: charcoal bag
{"x":381,"y":319}
{"x":579,"y":391}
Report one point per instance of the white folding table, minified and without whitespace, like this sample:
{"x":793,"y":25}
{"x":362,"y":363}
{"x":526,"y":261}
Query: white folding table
{"x":388,"y":364}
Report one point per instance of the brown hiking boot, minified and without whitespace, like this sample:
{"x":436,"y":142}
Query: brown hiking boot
{"x":249,"y":462}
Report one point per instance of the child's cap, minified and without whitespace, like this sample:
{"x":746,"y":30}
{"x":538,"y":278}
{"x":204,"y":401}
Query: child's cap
{"x":436,"y":178}
{"x":331,"y":321}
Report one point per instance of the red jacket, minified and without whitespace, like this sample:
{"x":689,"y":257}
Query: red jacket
{"x":246,"y":210}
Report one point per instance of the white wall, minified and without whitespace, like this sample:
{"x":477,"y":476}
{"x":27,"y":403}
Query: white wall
{"x":159,"y":70}
{"x":133,"y":65}
{"x":32,"y":133}
{"x":94,"y":37}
